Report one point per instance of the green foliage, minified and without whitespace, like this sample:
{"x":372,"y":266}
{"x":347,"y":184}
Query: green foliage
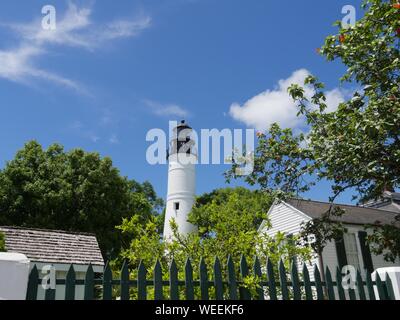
{"x":324,"y":229}
{"x":2,"y":242}
{"x":281,"y":163}
{"x":385,"y":240}
{"x":72,"y":191}
{"x":224,"y":212}
{"x":357,"y":146}
{"x":227,"y":221}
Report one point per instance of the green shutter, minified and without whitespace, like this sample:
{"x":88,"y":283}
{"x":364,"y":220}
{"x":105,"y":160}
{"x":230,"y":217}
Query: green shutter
{"x":366,"y":253}
{"x":341,"y":253}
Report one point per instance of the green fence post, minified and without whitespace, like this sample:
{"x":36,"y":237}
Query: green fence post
{"x":31,"y":293}
{"x":189,"y":290}
{"x":70,"y":284}
{"x":340,"y":289}
{"x":307,"y":283}
{"x":389,"y":288}
{"x":173,"y":281}
{"x":271,"y":281}
{"x":258,"y":274}
{"x":381,"y":289}
{"x":158,"y":285}
{"x":50,"y":294}
{"x":318,"y":283}
{"x":360,"y":286}
{"x":283,"y":281}
{"x":370,"y":287}
{"x":329,"y":284}
{"x":107,"y":283}
{"x":218,"y":284}
{"x":244,"y":272}
{"x":141,"y":282}
{"x":203,"y":280}
{"x":124,"y":281}
{"x":294,"y":274}
{"x":232,"y":285}
{"x":89,"y":283}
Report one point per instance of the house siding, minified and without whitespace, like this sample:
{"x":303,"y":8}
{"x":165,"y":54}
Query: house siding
{"x":285,"y":218}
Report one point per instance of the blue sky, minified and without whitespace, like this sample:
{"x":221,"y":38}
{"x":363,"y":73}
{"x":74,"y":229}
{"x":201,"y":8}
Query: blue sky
{"x":116,"y":69}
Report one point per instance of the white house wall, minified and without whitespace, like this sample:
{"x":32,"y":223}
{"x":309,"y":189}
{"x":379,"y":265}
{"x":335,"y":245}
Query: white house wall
{"x":284,"y":218}
{"x":287,"y":219}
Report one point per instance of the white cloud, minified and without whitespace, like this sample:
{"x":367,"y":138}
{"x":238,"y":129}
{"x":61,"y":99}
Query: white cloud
{"x":166,"y":110}
{"x":277,"y":106}
{"x":74,"y":29}
{"x":113,"y":139}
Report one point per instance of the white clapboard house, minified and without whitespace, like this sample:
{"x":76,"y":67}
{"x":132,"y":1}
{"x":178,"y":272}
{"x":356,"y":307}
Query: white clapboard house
{"x":288,"y":216}
{"x":56,"y":250}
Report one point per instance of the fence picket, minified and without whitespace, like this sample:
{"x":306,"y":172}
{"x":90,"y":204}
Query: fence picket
{"x":341,"y":293}
{"x":271,"y":281}
{"x":329,"y":284}
{"x":124,"y":282}
{"x":307,"y":283}
{"x":50,"y":294}
{"x":203,"y":280}
{"x":107,"y":283}
{"x":141,"y":281}
{"x":70,"y":284}
{"x":295,"y":284}
{"x":31,"y":293}
{"x":232,"y":280}
{"x":379,"y":286}
{"x":189,"y":290}
{"x":318,"y":283}
{"x":352,"y":294}
{"x":370,"y":287}
{"x":283,"y":281}
{"x":158,"y":285}
{"x":244,"y":272}
{"x":218,"y":283}
{"x":89,"y":283}
{"x":389,"y":288}
{"x":173,"y":281}
{"x":258,"y":274}
{"x":295,"y":281}
{"x":360,"y":286}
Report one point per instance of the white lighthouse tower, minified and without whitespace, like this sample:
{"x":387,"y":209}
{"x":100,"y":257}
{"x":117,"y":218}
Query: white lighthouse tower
{"x":181,"y":181}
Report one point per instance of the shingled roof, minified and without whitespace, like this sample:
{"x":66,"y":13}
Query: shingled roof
{"x":53,"y":246}
{"x":352,"y":214}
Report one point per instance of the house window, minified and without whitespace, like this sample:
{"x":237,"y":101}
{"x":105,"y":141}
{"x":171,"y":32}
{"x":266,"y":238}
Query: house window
{"x":350,"y":244}
{"x":176,"y":206}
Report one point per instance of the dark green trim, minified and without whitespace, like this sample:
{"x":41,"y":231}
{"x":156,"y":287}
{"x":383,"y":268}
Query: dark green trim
{"x":366,"y":252}
{"x":341,"y":253}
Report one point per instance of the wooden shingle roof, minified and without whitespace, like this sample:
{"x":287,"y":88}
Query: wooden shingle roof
{"x":51,"y":246}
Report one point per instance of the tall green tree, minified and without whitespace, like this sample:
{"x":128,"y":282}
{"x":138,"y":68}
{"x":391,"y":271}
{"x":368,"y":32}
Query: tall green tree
{"x":72,"y":191}
{"x":357,"y":146}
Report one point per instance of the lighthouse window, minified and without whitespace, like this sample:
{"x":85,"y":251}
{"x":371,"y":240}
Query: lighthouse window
{"x":176,"y":206}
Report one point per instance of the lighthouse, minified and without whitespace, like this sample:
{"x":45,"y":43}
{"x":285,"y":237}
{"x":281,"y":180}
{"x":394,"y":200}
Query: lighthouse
{"x":181,"y":181}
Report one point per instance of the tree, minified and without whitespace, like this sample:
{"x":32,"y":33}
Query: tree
{"x":227,"y":220}
{"x":71,"y":191}
{"x":385,"y":240}
{"x":357,"y":146}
